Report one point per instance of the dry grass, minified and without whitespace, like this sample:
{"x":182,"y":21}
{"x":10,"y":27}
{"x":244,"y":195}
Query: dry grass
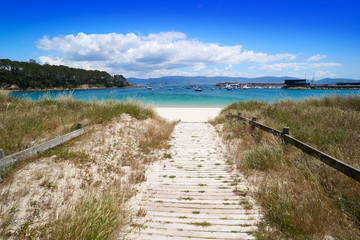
{"x":155,"y":137}
{"x":302,"y":198}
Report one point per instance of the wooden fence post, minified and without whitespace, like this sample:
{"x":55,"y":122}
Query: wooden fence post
{"x":2,"y":154}
{"x":286,"y":130}
{"x":239,"y":116}
{"x":253,"y":119}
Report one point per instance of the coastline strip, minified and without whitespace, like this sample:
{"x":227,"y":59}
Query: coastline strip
{"x":188,"y":114}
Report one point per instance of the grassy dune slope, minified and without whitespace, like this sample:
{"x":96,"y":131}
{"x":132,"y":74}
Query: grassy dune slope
{"x":302,"y":198}
{"x":23,"y":123}
{"x":79,"y":190}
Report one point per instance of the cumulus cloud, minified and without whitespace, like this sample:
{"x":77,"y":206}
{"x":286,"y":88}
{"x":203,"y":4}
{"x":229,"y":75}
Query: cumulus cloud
{"x":316,"y":57}
{"x":325,"y":74}
{"x":228,"y":67}
{"x":51,"y":60}
{"x":199,"y":67}
{"x":296,"y":66}
{"x":134,"y":53}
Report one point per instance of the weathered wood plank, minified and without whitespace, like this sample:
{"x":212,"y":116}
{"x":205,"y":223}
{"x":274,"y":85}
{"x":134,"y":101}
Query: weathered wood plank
{"x":327,"y":159}
{"x":7,"y":161}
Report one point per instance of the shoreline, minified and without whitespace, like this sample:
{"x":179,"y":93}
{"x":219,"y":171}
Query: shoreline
{"x":188,"y":114}
{"x":189,"y":106}
{"x":70,"y":89}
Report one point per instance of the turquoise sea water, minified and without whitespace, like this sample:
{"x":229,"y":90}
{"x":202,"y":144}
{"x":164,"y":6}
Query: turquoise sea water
{"x":186,"y":97}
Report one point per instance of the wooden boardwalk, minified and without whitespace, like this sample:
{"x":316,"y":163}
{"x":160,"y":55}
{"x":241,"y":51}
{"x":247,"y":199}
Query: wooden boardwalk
{"x":193,"y":194}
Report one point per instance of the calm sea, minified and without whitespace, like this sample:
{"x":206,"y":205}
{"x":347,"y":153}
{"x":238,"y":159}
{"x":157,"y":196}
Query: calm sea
{"x":187,"y":97}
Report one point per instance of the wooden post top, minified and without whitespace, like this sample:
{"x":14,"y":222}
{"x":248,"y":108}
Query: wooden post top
{"x":286,"y":130}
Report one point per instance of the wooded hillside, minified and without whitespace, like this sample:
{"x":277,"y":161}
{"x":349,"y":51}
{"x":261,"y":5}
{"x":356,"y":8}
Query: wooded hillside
{"x":32,"y":75}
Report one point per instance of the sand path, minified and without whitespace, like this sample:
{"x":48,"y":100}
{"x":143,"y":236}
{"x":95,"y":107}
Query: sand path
{"x":194,"y":194}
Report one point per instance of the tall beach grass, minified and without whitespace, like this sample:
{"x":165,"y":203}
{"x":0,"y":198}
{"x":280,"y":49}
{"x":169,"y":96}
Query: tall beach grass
{"x":302,"y":198}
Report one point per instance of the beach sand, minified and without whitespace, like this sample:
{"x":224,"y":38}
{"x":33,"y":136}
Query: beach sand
{"x":188,"y":114}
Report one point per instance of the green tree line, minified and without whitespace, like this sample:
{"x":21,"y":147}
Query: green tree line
{"x":30,"y":74}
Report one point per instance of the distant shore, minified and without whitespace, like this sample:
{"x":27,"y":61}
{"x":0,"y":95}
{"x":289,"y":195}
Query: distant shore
{"x":68,"y":89}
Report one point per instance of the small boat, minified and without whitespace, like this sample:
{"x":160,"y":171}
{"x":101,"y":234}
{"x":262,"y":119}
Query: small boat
{"x":212,"y":88}
{"x":197,"y":89}
{"x":245,"y":87}
{"x":170,"y":89}
{"x":148,"y":84}
{"x":228,"y":87}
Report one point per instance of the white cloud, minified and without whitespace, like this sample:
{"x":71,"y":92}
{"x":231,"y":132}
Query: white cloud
{"x":228,"y":67}
{"x":221,"y":72}
{"x":316,"y":57}
{"x":132,"y":53}
{"x":199,"y":67}
{"x":252,"y":67}
{"x":325,"y":74}
{"x":51,"y":60}
{"x":296,"y":66}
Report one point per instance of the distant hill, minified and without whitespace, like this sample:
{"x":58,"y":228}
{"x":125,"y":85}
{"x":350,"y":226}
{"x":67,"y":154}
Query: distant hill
{"x":182,"y":81}
{"x":336,"y":80}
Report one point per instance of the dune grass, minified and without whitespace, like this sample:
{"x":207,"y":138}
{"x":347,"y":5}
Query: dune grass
{"x":94,"y":217}
{"x":98,"y":210}
{"x":23,"y":122}
{"x":302,"y":198}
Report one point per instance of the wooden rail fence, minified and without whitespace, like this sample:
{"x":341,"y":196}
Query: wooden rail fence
{"x":7,"y":161}
{"x":346,"y":169}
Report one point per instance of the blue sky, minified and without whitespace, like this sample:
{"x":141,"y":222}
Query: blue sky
{"x":209,"y":38}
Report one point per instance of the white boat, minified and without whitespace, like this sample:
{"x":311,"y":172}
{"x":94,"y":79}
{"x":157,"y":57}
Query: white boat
{"x":245,"y":87}
{"x":148,"y":84}
{"x":228,"y":87}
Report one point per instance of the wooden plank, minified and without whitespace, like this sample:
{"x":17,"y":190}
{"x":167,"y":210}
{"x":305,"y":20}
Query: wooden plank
{"x":348,"y":170}
{"x":266,"y":128}
{"x":7,"y":161}
{"x":327,"y":159}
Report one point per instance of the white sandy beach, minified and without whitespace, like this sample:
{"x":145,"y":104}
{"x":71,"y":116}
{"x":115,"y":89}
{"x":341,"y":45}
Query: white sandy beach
{"x":188,"y":114}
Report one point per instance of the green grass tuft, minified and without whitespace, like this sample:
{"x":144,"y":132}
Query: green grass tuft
{"x":92,"y":218}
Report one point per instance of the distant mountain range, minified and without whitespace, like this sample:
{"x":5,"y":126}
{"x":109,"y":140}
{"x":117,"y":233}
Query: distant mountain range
{"x":182,"y":81}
